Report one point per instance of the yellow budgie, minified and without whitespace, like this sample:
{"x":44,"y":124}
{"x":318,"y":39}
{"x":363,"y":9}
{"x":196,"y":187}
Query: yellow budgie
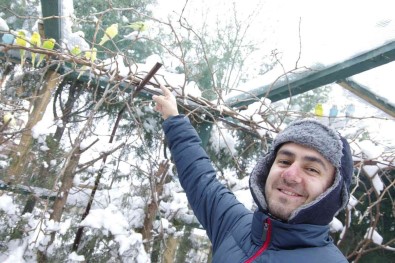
{"x":138,"y":26}
{"x":76,"y":51}
{"x":110,"y":33}
{"x":21,"y":41}
{"x":35,"y":40}
{"x":91,"y":56}
{"x":48,"y":44}
{"x":319,"y":110}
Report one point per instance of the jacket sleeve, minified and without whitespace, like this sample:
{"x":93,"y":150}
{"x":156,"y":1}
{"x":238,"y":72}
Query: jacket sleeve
{"x":216,"y":208}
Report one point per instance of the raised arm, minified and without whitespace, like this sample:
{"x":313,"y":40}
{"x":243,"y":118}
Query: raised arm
{"x":214,"y":205}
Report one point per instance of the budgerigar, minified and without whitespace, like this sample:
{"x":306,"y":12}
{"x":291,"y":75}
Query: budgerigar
{"x":319,"y":110}
{"x":110,"y":33}
{"x":47,"y":44}
{"x":333,"y":113}
{"x":8,"y":38}
{"x":21,"y":41}
{"x":350,"y":109}
{"x":138,"y":26}
{"x":76,"y":51}
{"x":91,"y":56}
{"x":35,"y":41}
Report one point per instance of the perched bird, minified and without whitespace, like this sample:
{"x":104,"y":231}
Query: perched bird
{"x":48,"y":44}
{"x":76,"y":51}
{"x":35,"y":40}
{"x":21,"y":41}
{"x":319,"y":110}
{"x":138,"y":26}
{"x":8,"y":38}
{"x":9,"y":120}
{"x":350,"y":110}
{"x":333,"y":113}
{"x":110,"y":33}
{"x":91,"y":56}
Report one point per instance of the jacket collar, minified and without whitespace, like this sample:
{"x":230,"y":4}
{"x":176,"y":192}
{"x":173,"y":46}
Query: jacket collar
{"x":289,"y":236}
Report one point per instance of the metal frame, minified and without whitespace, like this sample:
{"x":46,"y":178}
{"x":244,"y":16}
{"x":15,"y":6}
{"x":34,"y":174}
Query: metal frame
{"x":52,"y":15}
{"x":311,"y":80}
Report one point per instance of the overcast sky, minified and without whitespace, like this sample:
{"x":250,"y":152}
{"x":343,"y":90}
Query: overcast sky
{"x":330,"y":31}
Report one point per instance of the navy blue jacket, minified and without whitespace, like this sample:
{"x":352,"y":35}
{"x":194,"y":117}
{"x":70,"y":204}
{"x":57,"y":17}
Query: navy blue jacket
{"x":236,"y":233}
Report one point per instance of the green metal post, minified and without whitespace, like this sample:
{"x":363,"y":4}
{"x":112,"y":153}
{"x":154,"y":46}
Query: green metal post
{"x":52,"y":13}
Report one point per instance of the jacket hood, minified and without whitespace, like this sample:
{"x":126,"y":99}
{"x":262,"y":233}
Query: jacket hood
{"x":313,"y":134}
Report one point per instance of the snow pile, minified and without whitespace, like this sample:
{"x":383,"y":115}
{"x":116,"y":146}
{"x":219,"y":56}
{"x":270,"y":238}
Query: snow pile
{"x":335,"y":225}
{"x":222,"y":139}
{"x":374,"y":236}
{"x":74,"y":257}
{"x":111,"y":220}
{"x":15,"y":253}
{"x":372,"y":172}
{"x":352,"y":202}
{"x":175,"y":204}
{"x":7,"y":205}
{"x":370,"y":150}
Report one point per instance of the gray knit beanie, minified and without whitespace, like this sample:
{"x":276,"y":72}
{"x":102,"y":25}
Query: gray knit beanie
{"x":331,"y":146}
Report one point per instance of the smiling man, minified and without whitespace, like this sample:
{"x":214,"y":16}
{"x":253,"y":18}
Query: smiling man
{"x":297,"y":177}
{"x":298,"y":186}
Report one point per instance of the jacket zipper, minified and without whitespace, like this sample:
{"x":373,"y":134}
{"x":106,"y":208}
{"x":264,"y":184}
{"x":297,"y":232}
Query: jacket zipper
{"x":267,"y":232}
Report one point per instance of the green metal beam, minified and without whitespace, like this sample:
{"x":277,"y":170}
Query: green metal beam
{"x":368,"y":96}
{"x":285,"y":88}
{"x":52,"y":13}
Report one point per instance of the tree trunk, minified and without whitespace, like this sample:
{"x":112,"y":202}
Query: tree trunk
{"x":67,"y":183}
{"x":60,"y":201}
{"x":170,"y":250}
{"x":20,"y":159}
{"x":152,"y":208}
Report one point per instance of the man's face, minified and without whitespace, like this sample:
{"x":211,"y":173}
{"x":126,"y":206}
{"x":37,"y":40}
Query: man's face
{"x":297,"y":176}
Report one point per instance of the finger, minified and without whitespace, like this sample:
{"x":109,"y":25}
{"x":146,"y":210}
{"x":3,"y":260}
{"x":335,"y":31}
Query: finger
{"x":165,"y":90}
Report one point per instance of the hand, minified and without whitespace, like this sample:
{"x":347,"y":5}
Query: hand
{"x":166,"y":104}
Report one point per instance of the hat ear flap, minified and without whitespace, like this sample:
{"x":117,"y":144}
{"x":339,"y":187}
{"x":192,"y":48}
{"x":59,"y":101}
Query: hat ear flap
{"x":346,"y":170}
{"x":258,"y":178}
{"x":347,"y":163}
